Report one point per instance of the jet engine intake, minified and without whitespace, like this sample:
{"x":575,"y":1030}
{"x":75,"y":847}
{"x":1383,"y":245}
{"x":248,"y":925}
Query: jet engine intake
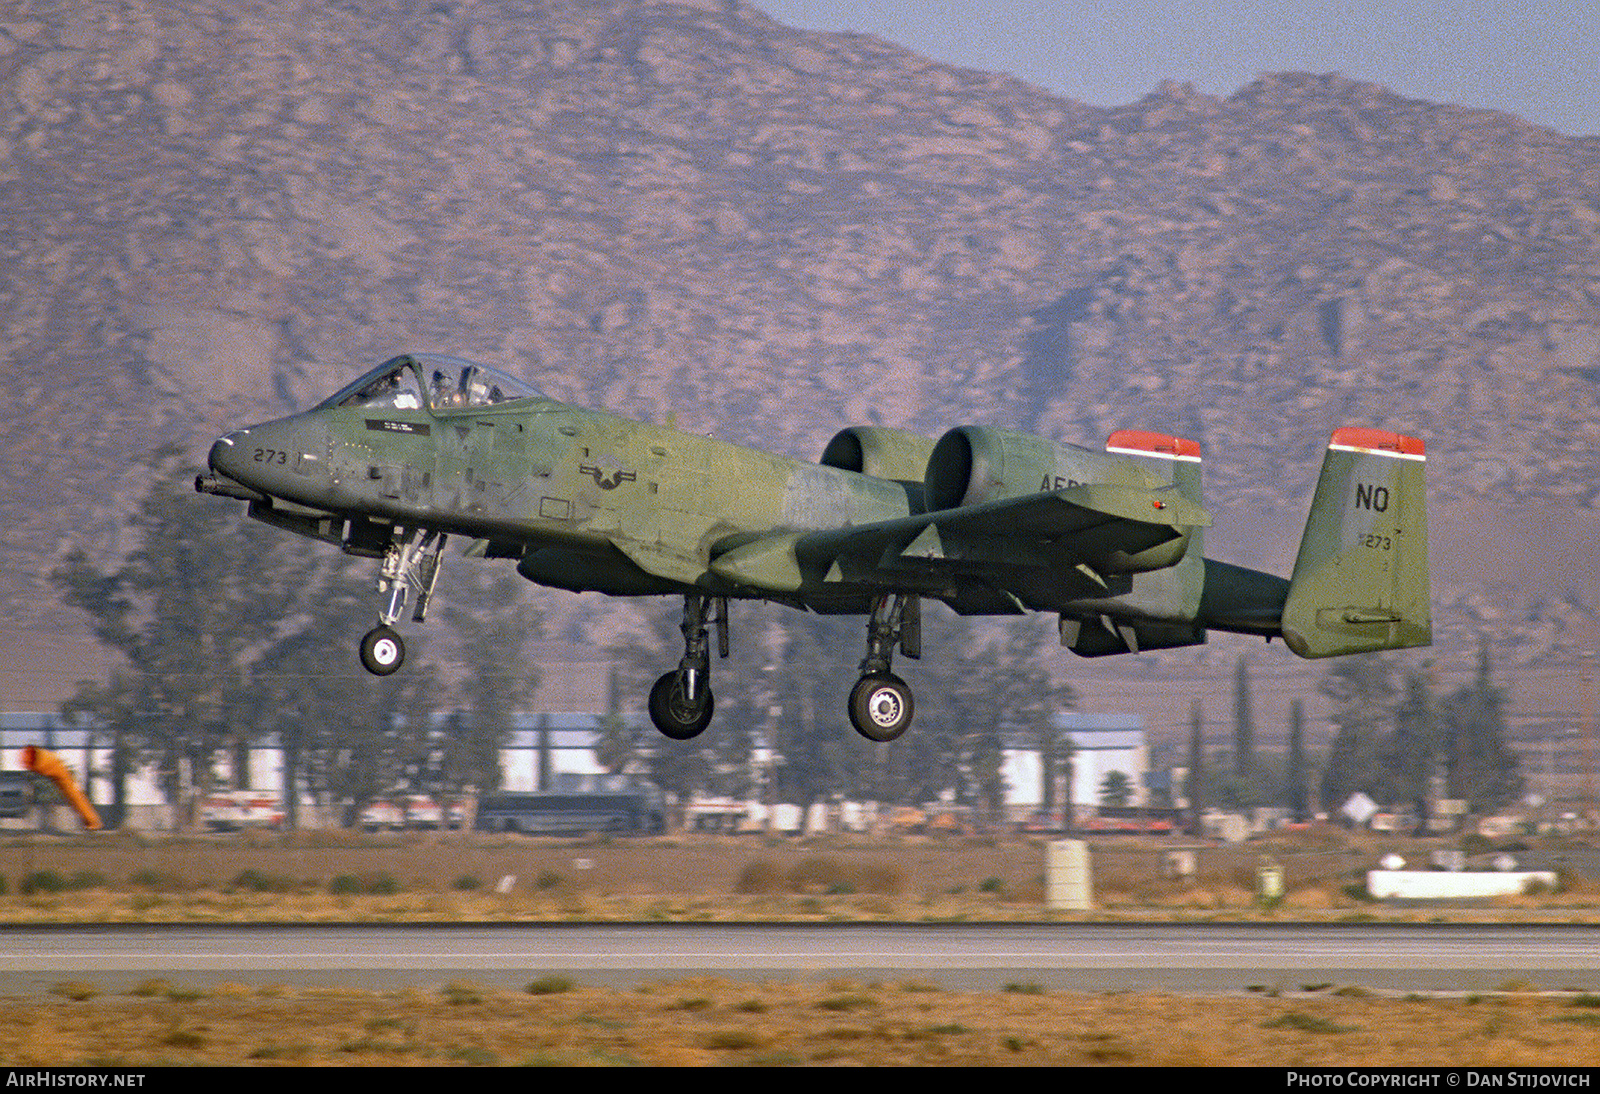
{"x":879,"y":451}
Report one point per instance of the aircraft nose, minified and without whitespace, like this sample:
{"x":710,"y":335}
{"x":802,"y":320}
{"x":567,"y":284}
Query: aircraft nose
{"x":284,"y":459}
{"x":228,"y":456}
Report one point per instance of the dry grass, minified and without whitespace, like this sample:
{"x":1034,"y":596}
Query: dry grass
{"x":725,"y":1022}
{"x":327,"y":877}
{"x":714,"y":1021}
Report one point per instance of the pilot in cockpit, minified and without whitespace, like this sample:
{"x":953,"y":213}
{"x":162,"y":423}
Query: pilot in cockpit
{"x":394,"y":388}
{"x":402,"y":390}
{"x":441,"y":392}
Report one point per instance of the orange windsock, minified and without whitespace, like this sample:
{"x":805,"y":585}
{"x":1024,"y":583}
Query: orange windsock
{"x":49,"y":765}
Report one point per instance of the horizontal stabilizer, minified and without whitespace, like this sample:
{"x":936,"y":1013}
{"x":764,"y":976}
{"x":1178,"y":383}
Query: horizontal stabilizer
{"x":1361,"y":578}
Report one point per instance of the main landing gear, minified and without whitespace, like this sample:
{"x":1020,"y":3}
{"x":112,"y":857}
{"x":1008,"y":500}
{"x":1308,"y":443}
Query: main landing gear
{"x":410,"y":565}
{"x":681,"y":703}
{"x":881,"y":706}
{"x":880,"y":703}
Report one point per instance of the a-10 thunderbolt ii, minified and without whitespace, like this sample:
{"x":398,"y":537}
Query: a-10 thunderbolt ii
{"x":990,"y":521}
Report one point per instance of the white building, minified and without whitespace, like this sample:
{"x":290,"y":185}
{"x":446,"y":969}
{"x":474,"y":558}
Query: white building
{"x":542,"y":749}
{"x":545,"y":747}
{"x":1101,"y":744}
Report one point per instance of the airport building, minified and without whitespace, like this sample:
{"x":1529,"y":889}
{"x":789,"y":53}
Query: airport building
{"x":548,"y":750}
{"x":542,"y":749}
{"x":1101,"y":744}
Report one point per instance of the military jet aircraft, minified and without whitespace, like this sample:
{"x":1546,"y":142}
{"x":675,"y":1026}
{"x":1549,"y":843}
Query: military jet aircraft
{"x":990,"y":521}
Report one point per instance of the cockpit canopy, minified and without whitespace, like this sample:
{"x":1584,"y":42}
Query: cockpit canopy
{"x":434,"y":380}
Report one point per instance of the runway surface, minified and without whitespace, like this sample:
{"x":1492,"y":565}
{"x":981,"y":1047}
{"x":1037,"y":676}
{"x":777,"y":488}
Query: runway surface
{"x":1065,"y":956}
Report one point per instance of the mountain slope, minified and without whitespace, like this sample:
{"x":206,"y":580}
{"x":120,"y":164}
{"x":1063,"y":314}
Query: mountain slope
{"x":213,"y":216}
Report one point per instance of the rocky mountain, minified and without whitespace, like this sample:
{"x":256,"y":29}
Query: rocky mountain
{"x":213,"y":213}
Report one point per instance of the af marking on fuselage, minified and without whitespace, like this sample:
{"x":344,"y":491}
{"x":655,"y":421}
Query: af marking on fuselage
{"x":1053,"y":483}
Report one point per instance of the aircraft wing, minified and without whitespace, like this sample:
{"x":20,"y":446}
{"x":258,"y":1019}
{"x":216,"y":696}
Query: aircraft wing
{"x":1095,"y":528}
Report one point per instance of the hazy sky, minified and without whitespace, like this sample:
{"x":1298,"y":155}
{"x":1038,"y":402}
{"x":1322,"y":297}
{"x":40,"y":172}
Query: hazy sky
{"x":1533,"y":58}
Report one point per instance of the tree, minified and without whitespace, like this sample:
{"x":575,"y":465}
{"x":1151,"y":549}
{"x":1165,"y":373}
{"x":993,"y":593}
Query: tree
{"x":189,"y":610}
{"x":721,"y":759}
{"x":493,"y":624}
{"x":335,"y":723}
{"x":377,"y":743}
{"x":1411,"y":754}
{"x":229,"y":638}
{"x":1361,"y":689}
{"x":817,"y":753}
{"x":615,"y":743}
{"x":1480,"y":766}
{"x":932,"y":756}
{"x":1115,"y":789}
{"x":303,"y":695}
{"x":1194,"y":783}
{"x":1247,"y":780}
{"x":744,"y":703}
{"x":1244,"y":725}
{"x":111,"y":712}
{"x":1297,"y":773}
{"x":637,"y":660}
{"x":784,"y":688}
{"x":1027,"y":697}
{"x":1004,"y":688}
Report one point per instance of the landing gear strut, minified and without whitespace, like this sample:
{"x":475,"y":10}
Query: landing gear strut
{"x":681,"y":703}
{"x":880,"y":704}
{"x":410,"y":565}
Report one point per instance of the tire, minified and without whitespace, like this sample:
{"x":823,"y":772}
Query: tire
{"x":383,"y":651}
{"x":881,"y":707}
{"x":673,"y":715}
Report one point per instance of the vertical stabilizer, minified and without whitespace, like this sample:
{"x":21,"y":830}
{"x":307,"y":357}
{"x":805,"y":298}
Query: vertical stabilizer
{"x":1168,"y":580}
{"x":1159,"y":449}
{"x":1361,"y":579}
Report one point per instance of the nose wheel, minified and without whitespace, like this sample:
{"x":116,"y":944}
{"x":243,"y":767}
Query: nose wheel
{"x":410,"y":569}
{"x":382,"y":651}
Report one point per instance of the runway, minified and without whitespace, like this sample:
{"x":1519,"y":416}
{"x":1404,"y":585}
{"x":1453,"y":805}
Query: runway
{"x":1061,"y":956}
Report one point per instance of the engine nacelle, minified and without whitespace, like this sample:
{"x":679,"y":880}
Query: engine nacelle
{"x":879,"y":451}
{"x":973,"y":464}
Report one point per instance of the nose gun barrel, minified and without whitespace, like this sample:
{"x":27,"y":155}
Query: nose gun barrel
{"x":226,"y":488}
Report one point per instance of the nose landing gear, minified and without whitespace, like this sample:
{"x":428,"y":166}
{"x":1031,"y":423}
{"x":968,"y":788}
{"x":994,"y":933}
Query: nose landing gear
{"x":382,"y":650}
{"x":410,"y":565}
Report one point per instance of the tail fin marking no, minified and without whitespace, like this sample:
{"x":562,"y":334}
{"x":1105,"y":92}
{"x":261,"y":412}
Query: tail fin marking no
{"x":1361,"y":578}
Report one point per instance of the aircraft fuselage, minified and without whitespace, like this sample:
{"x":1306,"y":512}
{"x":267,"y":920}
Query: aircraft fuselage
{"x":987,"y":520}
{"x":591,"y":501}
